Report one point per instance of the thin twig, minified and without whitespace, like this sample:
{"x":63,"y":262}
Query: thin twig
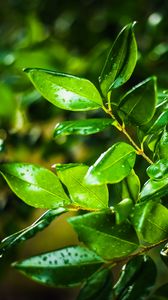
{"x":121,"y":128}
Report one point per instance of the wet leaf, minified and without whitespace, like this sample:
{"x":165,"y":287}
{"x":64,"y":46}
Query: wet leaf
{"x":136,"y":280}
{"x":98,"y":286}
{"x":138,"y":104}
{"x":121,"y":60}
{"x":113,"y":165}
{"x":65,"y":91}
{"x":159,"y":170}
{"x":64,"y":267}
{"x":154,"y":188}
{"x":150,"y":220}
{"x":35,"y":185}
{"x":93,"y":197}
{"x":82,"y":127}
{"x":31,"y":230}
{"x":101,"y":234}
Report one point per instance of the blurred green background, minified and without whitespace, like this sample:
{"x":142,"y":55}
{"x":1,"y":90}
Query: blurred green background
{"x":72,"y":37}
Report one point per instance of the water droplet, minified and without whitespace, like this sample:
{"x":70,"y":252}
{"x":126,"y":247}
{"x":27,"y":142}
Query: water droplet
{"x":66,"y":261}
{"x":45,"y":258}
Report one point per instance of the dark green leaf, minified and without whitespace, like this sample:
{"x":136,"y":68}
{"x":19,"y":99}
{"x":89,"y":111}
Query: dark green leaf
{"x":82,"y":127}
{"x":150,"y":220}
{"x":164,"y":254}
{"x":98,"y":286}
{"x":137,"y":278}
{"x":64,"y":267}
{"x":65,"y":91}
{"x":35,"y":185}
{"x":113,"y":165}
{"x":93,"y":197}
{"x":121,"y":60}
{"x":138,"y":104}
{"x":159,"y":170}
{"x":100,"y":233}
{"x":31,"y":230}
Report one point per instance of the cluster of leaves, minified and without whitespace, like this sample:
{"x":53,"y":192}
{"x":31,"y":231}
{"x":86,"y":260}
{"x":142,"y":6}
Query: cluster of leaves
{"x":111,"y":230}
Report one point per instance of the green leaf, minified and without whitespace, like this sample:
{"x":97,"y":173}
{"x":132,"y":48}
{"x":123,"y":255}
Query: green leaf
{"x":98,"y":286}
{"x":113,"y":165}
{"x":82,"y":127}
{"x":163,"y":145}
{"x":64,"y":267}
{"x":65,"y":91}
{"x":35,"y":185}
{"x":131,"y":186}
{"x":101,"y":234}
{"x":93,"y":197}
{"x":121,"y":60}
{"x":123,"y":209}
{"x":164,"y":254}
{"x":138,"y":104}
{"x":137,"y":278}
{"x":160,"y":122}
{"x":159,"y":170}
{"x":150,"y":220}
{"x":154,"y":188}
{"x":152,"y":141}
{"x":31,"y":230}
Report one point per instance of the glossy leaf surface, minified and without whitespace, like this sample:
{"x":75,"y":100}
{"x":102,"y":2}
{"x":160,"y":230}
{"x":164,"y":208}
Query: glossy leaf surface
{"x":64,"y":267}
{"x":137,"y":278}
{"x":31,"y":230}
{"x":72,"y":175}
{"x":98,"y":286}
{"x":35,"y":185}
{"x":159,"y":170}
{"x":160,"y":122}
{"x":123,"y":209}
{"x":150,"y":220}
{"x":121,"y":60}
{"x":131,"y":186}
{"x":154,"y":188}
{"x":65,"y":91}
{"x":113,"y":165}
{"x":82,"y":127}
{"x":163,"y":146}
{"x":138,"y":104}
{"x":101,"y":234}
